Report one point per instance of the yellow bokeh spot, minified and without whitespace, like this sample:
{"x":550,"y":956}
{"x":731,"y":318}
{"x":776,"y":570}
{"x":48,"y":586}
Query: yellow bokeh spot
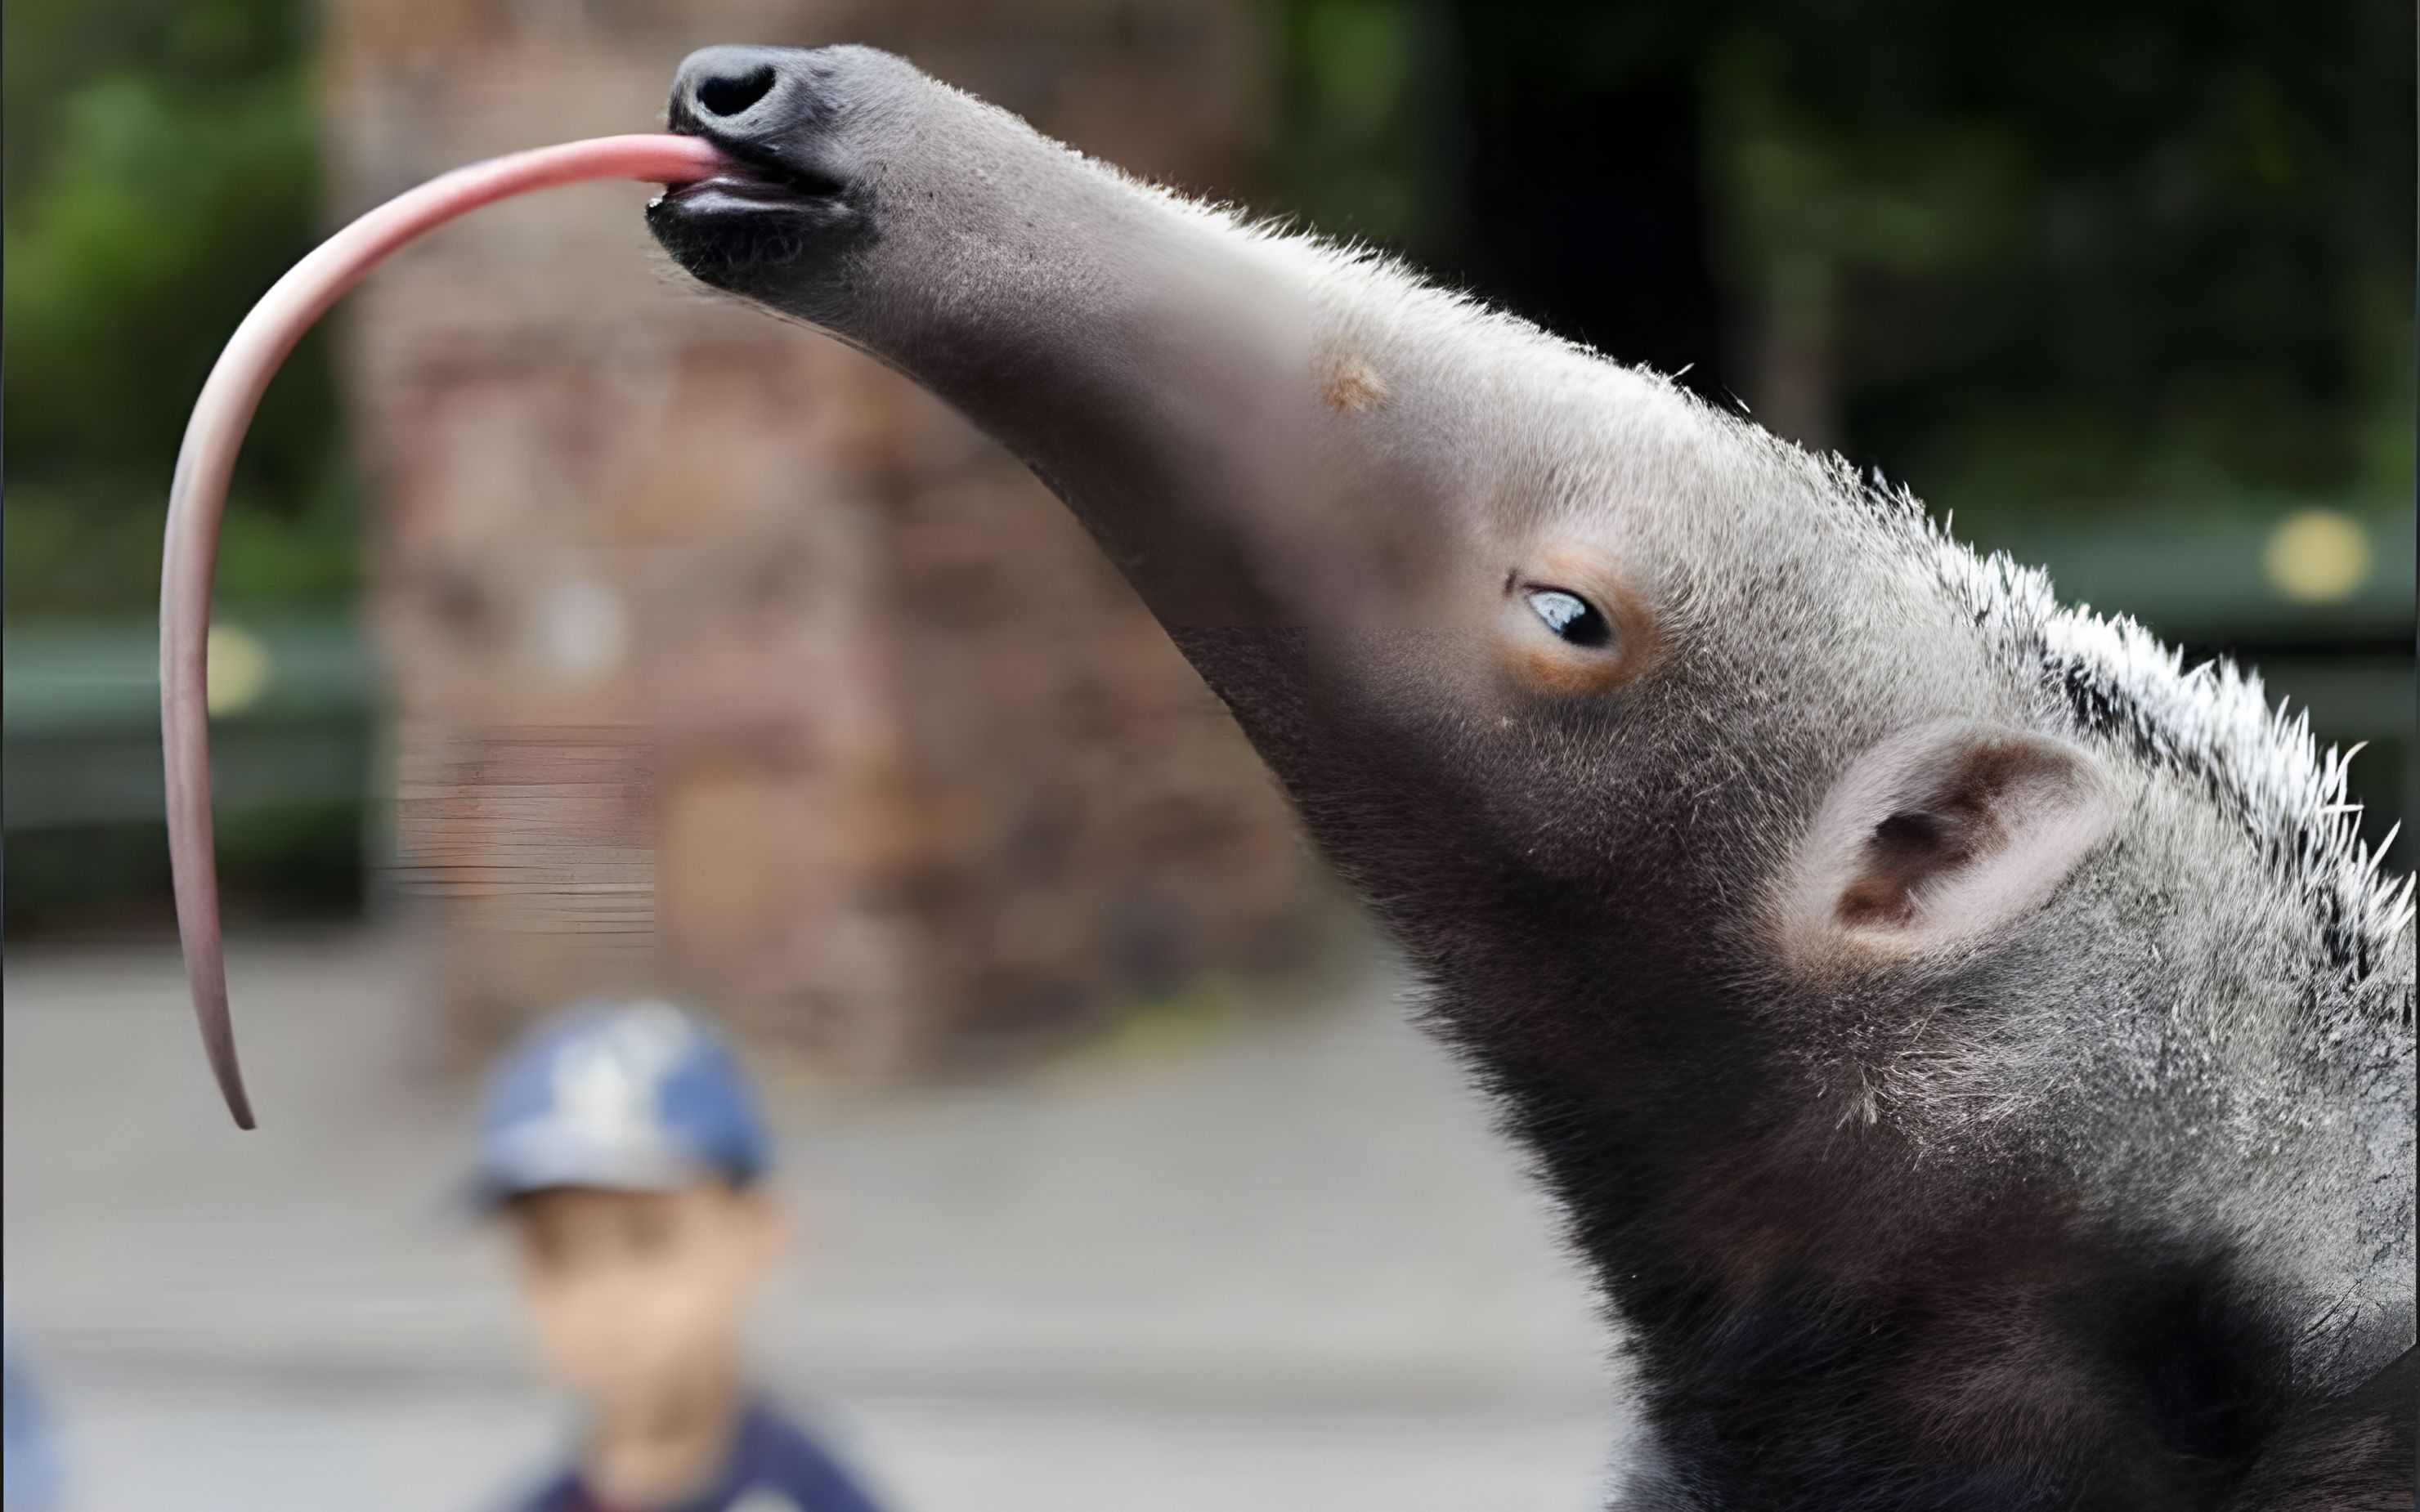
{"x":240,"y":669}
{"x":2317,"y":556}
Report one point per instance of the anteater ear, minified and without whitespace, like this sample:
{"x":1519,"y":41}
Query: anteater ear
{"x":1935,"y":837}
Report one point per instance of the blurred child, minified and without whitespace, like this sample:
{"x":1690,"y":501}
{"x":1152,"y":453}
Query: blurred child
{"x":622,"y":1150}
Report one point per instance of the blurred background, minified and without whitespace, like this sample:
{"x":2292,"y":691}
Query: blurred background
{"x":582,"y":633}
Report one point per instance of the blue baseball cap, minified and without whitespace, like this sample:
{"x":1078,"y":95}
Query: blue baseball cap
{"x":633,"y":1097}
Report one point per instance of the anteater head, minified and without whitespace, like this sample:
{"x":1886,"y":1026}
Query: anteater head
{"x":1767,"y":847}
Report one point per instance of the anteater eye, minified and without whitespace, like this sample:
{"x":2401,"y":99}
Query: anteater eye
{"x":1571,"y":617}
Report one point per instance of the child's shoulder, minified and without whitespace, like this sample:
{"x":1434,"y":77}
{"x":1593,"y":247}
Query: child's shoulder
{"x":776,"y":1455}
{"x":776,"y":1465}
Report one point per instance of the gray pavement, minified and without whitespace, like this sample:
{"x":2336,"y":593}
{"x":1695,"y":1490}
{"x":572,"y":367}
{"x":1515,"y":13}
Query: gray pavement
{"x":1279,"y":1263}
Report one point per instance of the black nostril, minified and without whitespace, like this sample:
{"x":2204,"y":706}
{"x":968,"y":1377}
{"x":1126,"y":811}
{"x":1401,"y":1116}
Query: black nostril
{"x":731,"y":94}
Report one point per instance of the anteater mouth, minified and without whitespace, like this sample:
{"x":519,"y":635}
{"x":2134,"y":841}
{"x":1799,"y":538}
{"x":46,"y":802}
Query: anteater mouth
{"x":760,"y":176}
{"x":758,"y":213}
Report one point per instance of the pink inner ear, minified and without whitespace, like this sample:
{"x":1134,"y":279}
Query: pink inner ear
{"x":1935,"y":836}
{"x":1903,"y":851}
{"x":197,"y":499}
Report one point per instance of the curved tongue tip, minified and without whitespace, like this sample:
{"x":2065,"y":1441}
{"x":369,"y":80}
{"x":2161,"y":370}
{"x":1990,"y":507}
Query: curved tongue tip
{"x":218,"y":1036}
{"x":205,"y":963}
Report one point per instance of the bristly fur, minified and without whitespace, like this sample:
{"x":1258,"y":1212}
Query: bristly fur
{"x":2114,"y":679}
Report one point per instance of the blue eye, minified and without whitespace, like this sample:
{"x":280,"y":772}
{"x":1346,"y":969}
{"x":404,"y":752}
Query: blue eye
{"x":1571,"y":616}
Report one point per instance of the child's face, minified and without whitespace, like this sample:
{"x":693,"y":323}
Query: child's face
{"x":637,"y":1294}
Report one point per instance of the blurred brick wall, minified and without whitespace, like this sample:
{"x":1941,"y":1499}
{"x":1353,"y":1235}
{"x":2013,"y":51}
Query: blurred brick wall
{"x":727,"y":662}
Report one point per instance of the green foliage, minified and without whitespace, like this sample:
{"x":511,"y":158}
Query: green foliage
{"x":1808,"y":207}
{"x":162,"y":171}
{"x":1346,"y":76}
{"x":2162,"y":255}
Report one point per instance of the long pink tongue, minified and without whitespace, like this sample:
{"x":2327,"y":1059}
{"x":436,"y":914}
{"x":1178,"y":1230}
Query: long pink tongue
{"x":197,"y":499}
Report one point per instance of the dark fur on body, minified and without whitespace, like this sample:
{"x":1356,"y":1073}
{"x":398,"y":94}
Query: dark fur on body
{"x":1972,"y":1054}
